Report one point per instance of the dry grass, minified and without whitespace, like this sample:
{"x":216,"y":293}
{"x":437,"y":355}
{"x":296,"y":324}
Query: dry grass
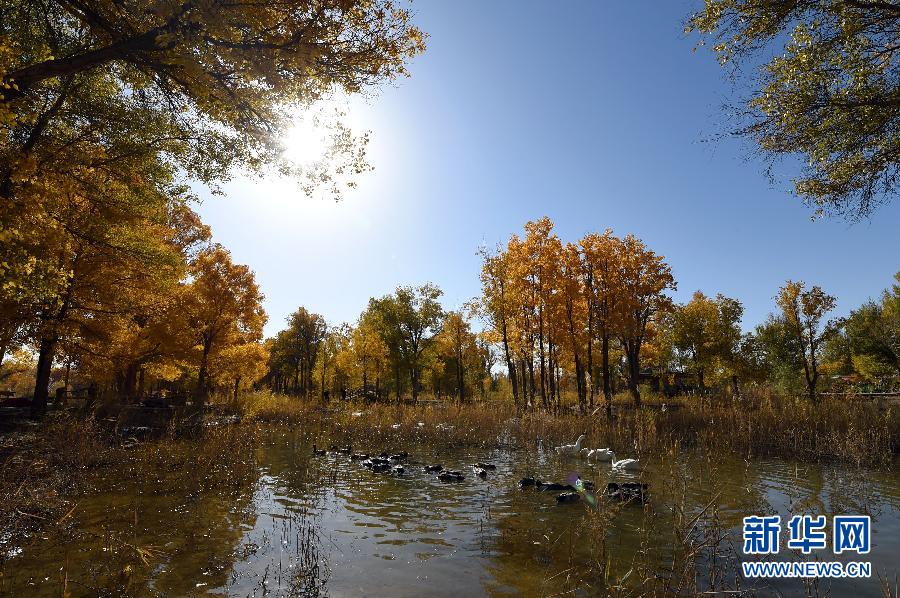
{"x":46,"y":467}
{"x":766,"y":426}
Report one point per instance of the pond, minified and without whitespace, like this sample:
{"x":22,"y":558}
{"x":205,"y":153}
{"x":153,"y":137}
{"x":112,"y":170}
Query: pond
{"x":328,"y":526}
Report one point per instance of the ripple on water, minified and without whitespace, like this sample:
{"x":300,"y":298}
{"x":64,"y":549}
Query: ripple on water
{"x":314,"y":521}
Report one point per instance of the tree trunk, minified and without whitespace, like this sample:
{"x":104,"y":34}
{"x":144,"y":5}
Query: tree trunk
{"x":66,"y":378}
{"x":140,"y":386}
{"x":460,"y":381}
{"x":510,"y":366}
{"x":604,"y":364}
{"x":414,"y":381}
{"x":542,"y":357}
{"x":550,"y":369}
{"x":531,"y":387}
{"x":324,"y":367}
{"x":202,"y":393}
{"x":580,"y":385}
{"x":397,"y":382}
{"x":634,"y":371}
{"x":588,"y":371}
{"x":590,"y":338}
{"x":46,"y":353}
{"x":526,"y":402}
{"x":811,"y":387}
{"x":237,"y":385}
{"x":129,"y":384}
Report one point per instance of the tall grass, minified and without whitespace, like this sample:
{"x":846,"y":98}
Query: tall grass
{"x":46,"y":468}
{"x":851,"y":432}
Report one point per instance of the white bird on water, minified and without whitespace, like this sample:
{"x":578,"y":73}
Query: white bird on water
{"x":626,"y":465}
{"x":569,"y":450}
{"x":600,"y":454}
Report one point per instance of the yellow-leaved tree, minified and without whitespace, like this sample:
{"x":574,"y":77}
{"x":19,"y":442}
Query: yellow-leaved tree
{"x":222,"y":308}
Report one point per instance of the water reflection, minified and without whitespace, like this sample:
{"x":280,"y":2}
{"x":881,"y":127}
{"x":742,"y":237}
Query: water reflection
{"x":328,"y":526}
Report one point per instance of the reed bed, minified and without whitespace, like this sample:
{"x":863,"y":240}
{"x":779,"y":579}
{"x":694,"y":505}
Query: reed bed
{"x":833,"y":430}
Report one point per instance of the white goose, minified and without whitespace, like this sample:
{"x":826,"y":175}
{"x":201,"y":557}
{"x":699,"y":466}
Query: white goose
{"x":626,"y":464}
{"x":600,"y":454}
{"x":570,"y":450}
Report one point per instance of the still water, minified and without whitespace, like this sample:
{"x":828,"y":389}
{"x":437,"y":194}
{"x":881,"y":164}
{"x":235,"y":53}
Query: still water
{"x":328,"y":526}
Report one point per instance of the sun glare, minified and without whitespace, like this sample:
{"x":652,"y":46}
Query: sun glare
{"x":307,"y":141}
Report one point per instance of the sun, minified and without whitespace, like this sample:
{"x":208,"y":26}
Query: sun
{"x":306,"y":141}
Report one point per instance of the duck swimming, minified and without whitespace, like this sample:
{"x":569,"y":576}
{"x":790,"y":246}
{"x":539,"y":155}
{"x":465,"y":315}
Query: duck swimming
{"x":376,"y":462}
{"x":380,"y":467}
{"x":530,"y":481}
{"x":627,"y":492}
{"x":451,"y":476}
{"x":397,"y":470}
{"x":481,"y":473}
{"x":567,"y":497}
{"x":318,"y":452}
{"x":434,"y":468}
{"x":545,"y":486}
{"x":359,"y":457}
{"x":584,"y":484}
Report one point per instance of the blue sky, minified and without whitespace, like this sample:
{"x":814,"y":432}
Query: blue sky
{"x":598,"y":116}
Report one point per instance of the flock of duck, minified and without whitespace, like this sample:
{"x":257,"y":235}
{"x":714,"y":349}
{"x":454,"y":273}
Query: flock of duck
{"x":600,"y":454}
{"x":396,"y":464}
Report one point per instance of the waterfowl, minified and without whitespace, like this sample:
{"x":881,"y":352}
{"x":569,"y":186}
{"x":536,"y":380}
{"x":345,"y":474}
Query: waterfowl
{"x":433,"y":468}
{"x":318,"y":452}
{"x":566,"y":497}
{"x":530,"y":481}
{"x":375,"y":462}
{"x":481,"y":473}
{"x":490,"y":466}
{"x":627,"y":492}
{"x":626,"y":465}
{"x":402,"y":456}
{"x":379,"y":467}
{"x":603,"y":454}
{"x":397,"y":470}
{"x":450,"y":476}
{"x":358,"y":457}
{"x":545,"y":486}
{"x":584,"y":484}
{"x":570,"y":450}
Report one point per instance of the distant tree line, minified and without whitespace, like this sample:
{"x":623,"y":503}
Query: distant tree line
{"x":402,"y":344}
{"x":585,"y":320}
